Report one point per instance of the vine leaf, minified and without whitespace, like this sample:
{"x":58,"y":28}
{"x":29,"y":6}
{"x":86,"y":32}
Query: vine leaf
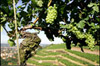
{"x":81,"y":24}
{"x":91,"y":4}
{"x":96,"y":8}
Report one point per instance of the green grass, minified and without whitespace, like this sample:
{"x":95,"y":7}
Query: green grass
{"x":91,"y":57}
{"x":78,"y":60}
{"x":56,"y":46}
{"x":50,"y":58}
{"x":65,"y":55}
{"x":95,"y":48}
{"x":67,"y":63}
{"x":42,"y":53}
{"x":36,"y":63}
{"x":43,"y":58}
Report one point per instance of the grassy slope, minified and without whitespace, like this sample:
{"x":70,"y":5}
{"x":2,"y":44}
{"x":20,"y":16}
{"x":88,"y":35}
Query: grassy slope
{"x":43,"y":52}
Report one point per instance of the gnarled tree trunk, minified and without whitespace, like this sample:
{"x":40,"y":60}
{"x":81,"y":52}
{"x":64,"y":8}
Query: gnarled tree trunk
{"x":28,"y":45}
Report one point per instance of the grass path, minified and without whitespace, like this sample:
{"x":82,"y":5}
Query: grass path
{"x":76,"y":56}
{"x":29,"y":64}
{"x":96,"y":52}
{"x":55,"y":62}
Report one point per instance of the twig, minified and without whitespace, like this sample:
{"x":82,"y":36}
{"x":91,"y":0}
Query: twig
{"x":36,"y":20}
{"x":49,"y":3}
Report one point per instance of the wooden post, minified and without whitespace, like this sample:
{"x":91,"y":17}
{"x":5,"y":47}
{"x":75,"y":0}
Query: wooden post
{"x":16,"y":31}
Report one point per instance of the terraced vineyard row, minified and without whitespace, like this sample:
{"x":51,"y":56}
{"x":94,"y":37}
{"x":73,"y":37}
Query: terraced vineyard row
{"x":61,"y":57}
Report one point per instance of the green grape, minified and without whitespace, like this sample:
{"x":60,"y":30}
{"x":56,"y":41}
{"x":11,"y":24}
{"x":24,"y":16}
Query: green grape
{"x":74,"y":29}
{"x":90,"y":41}
{"x":69,"y":26}
{"x":40,"y":3}
{"x":52,"y":14}
{"x":11,"y":42}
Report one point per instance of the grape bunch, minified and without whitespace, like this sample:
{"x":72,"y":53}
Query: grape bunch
{"x":51,"y":14}
{"x":40,"y":3}
{"x":90,"y":41}
{"x":79,"y":35}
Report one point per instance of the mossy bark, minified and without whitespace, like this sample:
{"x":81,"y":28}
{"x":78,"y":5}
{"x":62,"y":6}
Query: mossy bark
{"x":28,"y":46}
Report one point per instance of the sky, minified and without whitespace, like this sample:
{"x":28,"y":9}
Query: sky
{"x":44,"y":39}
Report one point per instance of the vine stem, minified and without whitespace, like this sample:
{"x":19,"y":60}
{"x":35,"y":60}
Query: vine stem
{"x":16,"y":31}
{"x":49,"y":3}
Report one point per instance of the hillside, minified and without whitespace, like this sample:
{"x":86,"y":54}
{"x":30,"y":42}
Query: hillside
{"x":58,"y":55}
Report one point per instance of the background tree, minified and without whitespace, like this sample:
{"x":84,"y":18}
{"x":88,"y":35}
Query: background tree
{"x":75,"y":21}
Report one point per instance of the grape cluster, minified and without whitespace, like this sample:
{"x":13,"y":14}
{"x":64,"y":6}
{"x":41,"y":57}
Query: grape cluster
{"x":51,"y":14}
{"x":40,"y":3}
{"x":90,"y":41}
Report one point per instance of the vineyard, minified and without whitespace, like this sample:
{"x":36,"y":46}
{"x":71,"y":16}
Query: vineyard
{"x":57,"y":55}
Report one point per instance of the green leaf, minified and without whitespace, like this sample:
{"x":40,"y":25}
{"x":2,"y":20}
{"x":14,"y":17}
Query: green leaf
{"x":98,"y":19}
{"x":87,"y":18}
{"x":11,"y":42}
{"x":72,"y":20}
{"x":62,"y":26}
{"x":91,"y":4}
{"x":19,"y":6}
{"x":19,"y":24}
{"x":81,"y":24}
{"x":96,"y":8}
